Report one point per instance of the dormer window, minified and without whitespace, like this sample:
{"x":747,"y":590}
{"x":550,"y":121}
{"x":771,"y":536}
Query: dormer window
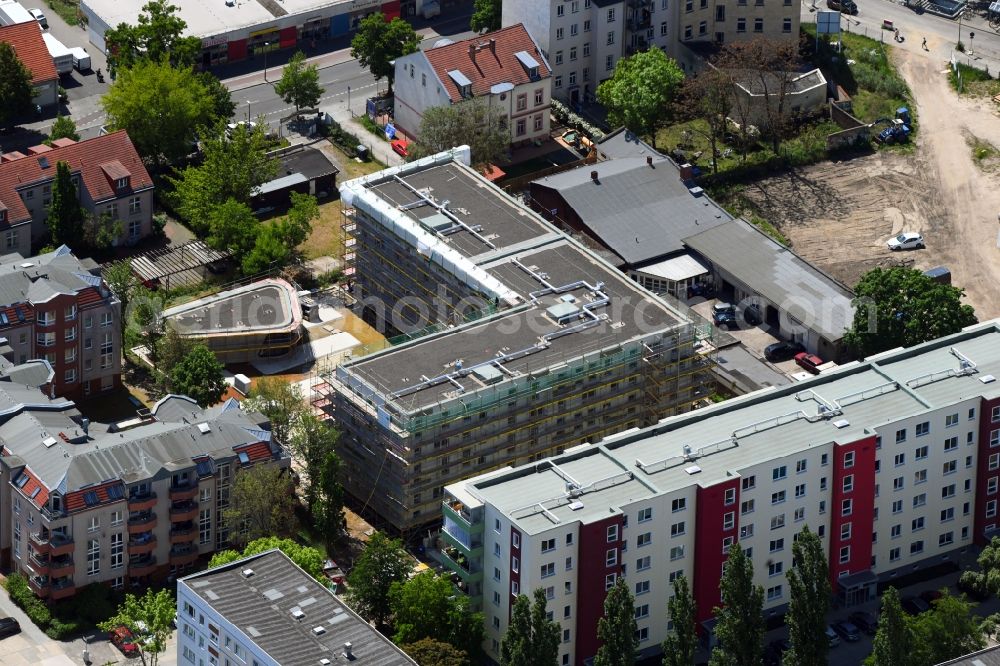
{"x":461,"y":82}
{"x":466,"y":91}
{"x":533,"y":72}
{"x":122,"y":183}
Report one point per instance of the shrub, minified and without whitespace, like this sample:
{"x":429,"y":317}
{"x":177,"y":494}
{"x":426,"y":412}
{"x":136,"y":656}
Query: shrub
{"x":59,"y":630}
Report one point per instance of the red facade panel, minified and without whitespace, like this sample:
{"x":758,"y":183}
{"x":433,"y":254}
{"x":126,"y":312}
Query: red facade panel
{"x":591,"y":581}
{"x":854,"y":480}
{"x":983,"y":522}
{"x":288,"y":37}
{"x":713,"y":505}
{"x":391,"y":10}
{"x":515,"y":571}
{"x":237,"y":50}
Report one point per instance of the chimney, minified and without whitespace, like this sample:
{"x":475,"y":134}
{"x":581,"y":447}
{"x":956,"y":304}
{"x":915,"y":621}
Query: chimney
{"x":472,"y":52}
{"x":348,"y":650}
{"x":593,"y":176}
{"x":493,"y":47}
{"x":686,"y":172}
{"x":649,"y":160}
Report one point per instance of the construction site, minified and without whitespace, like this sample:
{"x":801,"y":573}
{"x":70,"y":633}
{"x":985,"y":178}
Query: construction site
{"x":517,"y":343}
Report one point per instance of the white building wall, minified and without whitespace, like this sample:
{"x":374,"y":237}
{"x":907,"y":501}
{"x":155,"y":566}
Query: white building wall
{"x":194,"y":636}
{"x":416,"y":89}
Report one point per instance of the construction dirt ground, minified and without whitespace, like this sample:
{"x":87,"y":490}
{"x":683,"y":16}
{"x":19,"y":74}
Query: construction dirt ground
{"x":839,"y":215}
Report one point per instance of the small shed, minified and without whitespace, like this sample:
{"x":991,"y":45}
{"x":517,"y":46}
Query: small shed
{"x":304,"y":170}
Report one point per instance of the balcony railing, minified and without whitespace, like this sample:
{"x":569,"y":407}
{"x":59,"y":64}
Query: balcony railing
{"x":62,"y":588}
{"x":141,"y":502}
{"x":460,"y":564}
{"x":183,"y":511}
{"x":184,"y":491}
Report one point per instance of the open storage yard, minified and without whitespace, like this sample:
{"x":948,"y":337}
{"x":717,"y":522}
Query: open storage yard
{"x":838,"y":215}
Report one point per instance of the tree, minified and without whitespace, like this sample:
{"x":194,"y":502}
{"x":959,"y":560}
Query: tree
{"x":156,"y":37}
{"x":304,"y":209}
{"x":16,"y":90}
{"x":680,"y":646}
{"x":99,"y":232}
{"x":545,"y":633}
{"x":893,"y":642}
{"x":232,"y":227}
{"x":708,"y":97}
{"x":330,"y":510}
{"x":149,"y":618}
{"x":172,"y":350}
{"x":740,"y":622}
{"x":474,"y":122}
{"x":426,"y":606}
{"x":382,"y":563}
{"x":902,"y":307}
{"x":989,"y":564}
{"x":809,"y":584}
{"x":271,"y":249}
{"x":123,"y":284}
{"x":377,"y":44}
{"x":161,"y":107}
{"x":617,"y":628}
{"x":199,"y":376}
{"x":431,"y":652}
{"x":947,"y":631}
{"x":281,"y":402}
{"x":223,"y":106}
{"x":66,"y":215}
{"x":144,"y":324}
{"x":234,"y":164}
{"x":532,"y":639}
{"x":261,"y":504}
{"x":640,"y":93}
{"x":299,"y":84}
{"x":309,"y":559}
{"x":485,"y":15}
{"x":62,"y":128}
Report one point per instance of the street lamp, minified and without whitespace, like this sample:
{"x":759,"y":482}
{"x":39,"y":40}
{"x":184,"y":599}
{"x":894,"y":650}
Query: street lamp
{"x":266,"y":44}
{"x":349,"y":101}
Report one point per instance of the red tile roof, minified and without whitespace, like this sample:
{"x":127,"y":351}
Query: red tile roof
{"x":76,"y":502}
{"x":255,"y":452}
{"x":26,"y":38}
{"x":85,"y":157}
{"x":33,"y":484}
{"x":482,"y":66}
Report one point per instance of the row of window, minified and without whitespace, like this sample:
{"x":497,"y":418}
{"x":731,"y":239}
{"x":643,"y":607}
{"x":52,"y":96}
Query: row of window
{"x":741,"y":26}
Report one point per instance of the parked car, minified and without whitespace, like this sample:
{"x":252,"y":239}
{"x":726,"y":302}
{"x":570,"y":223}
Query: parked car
{"x":40,"y":17}
{"x":401,"y":147}
{"x":8,"y":627}
{"x":847,"y":631}
{"x":908,"y":240}
{"x":832,"y":636}
{"x":809,"y":362}
{"x":846,"y":6}
{"x":783,"y":351}
{"x":915,"y":605}
{"x":864,"y":621}
{"x":123,"y":639}
{"x":724,"y":315}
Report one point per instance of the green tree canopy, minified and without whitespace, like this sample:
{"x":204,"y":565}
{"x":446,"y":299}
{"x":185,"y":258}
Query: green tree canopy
{"x":641,"y":92}
{"x":330,"y":507}
{"x":62,"y":128}
{"x":707,"y":96}
{"x":199,"y":376}
{"x":740,"y":622}
{"x":149,"y":618}
{"x":617,"y":628}
{"x":902,"y":307}
{"x":473,"y":122}
{"x":281,"y":402}
{"x":157,"y":36}
{"x":16,"y":90}
{"x":426,"y":606}
{"x":161,"y":106}
{"x":809,"y":585}
{"x":223,"y":106}
{"x":894,"y":640}
{"x":377,"y":44}
{"x":680,"y":646}
{"x":66,"y":214}
{"x":531,"y":639}
{"x":308,"y":558}
{"x":485,"y":15}
{"x":382,"y":563}
{"x":123,"y":284}
{"x":432,"y":652}
{"x":232,"y":227}
{"x":261,"y":504}
{"x":299,"y":84}
{"x":947,"y":631}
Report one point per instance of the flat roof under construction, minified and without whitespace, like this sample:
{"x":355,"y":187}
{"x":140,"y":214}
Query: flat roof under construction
{"x":266,"y":306}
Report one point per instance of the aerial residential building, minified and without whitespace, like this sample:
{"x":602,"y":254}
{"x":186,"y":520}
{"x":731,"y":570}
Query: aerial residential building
{"x":57,"y":308}
{"x":265,"y":610}
{"x":107,"y":171}
{"x":26,"y":38}
{"x":584,"y":39}
{"x":523,"y":343}
{"x":135,"y":501}
{"x":895,"y":462}
{"x":504,"y":67}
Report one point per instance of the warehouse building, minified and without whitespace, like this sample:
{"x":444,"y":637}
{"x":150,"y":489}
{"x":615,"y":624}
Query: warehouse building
{"x":895,"y":462}
{"x":523,"y":342}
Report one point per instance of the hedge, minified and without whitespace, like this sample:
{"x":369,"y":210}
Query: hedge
{"x":92,"y":604}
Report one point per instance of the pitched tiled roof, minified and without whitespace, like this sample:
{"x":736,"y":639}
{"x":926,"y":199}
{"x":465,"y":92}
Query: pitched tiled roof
{"x":485,"y":65}
{"x":76,"y":500}
{"x":26,"y":38}
{"x":255,"y":452}
{"x":84,"y":157}
{"x":34,"y":489}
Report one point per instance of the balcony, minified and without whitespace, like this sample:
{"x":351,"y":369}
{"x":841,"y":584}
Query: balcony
{"x":40,"y":586}
{"x":453,"y":533}
{"x":183,"y":554}
{"x":142,"y":566}
{"x":143,"y":502}
{"x":142,"y":543}
{"x":141,"y":523}
{"x":51,"y":543}
{"x":62,"y":566}
{"x":186,"y":491}
{"x":183,"y":512}
{"x":40,"y":565}
{"x":182,"y":533}
{"x":62,"y":588}
{"x":463,"y":516}
{"x":461,"y":565}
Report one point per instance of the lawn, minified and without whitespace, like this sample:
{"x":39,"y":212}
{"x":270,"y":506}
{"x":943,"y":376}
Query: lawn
{"x":975,"y":82}
{"x":326,"y":239}
{"x":68,"y":10}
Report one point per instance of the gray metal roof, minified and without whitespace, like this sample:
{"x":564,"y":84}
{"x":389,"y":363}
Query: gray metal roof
{"x":642,"y":212}
{"x":779,"y":275}
{"x":990,"y":656}
{"x":37,"y":279}
{"x":260,"y":606}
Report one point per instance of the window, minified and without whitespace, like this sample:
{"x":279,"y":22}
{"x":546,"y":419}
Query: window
{"x":611,"y":557}
{"x":951,"y":444}
{"x":916,"y":547}
{"x":895,"y":531}
{"x":93,"y":557}
{"x":644,"y":539}
{"x":522,"y":102}
{"x":612,"y":533}
{"x":572,"y":50}
{"x":800,"y":466}
{"x":687,"y":32}
{"x":917,"y":524}
{"x":559,"y":57}
{"x":730,"y":496}
{"x":774,"y":593}
{"x":663,"y":29}
{"x":746,"y":531}
{"x":611,"y":15}
{"x":758,"y":24}
{"x":547,"y":570}
{"x":991,"y":486}
{"x":560,"y":10}
{"x":950,"y":420}
{"x":642,"y":587}
{"x":515,"y":540}
{"x":777,"y":522}
{"x":846,"y":507}
{"x":946,"y":539}
{"x":948,"y":491}
{"x":949,"y":467}
{"x":539,"y":96}
{"x":95,"y":524}
{"x":729,"y":520}
{"x":720,"y":13}
{"x":609,"y":581}
{"x":10,"y":237}
{"x":995,"y":415}
{"x":786,"y":24}
{"x":643,"y":563}
{"x":894,"y":554}
{"x":923,"y":428}
{"x":702,"y":27}
{"x":845,"y":554}
{"x":522,"y":126}
{"x":647,"y":513}
{"x":919,"y":500}
{"x":746,"y":506}
{"x":611,"y":36}
{"x":921,"y":453}
{"x":727,"y":543}
{"x":778,"y":497}
{"x":800,"y":514}
{"x":901,"y":435}
{"x":557,"y":82}
{"x":116,"y":518}
{"x":547,"y":545}
{"x":741,"y":23}
{"x":947,"y":514}
{"x":777,"y":545}
{"x":991,"y":508}
{"x":897,"y":483}
{"x":750,"y":482}
{"x":677,"y":529}
{"x":569,"y":564}
{"x":586,"y":28}
{"x":779,"y":473}
{"x":134,"y":205}
{"x":609,"y":63}
{"x":920,"y":476}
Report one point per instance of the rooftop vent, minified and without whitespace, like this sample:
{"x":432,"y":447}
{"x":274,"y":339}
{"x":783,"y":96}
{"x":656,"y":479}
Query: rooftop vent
{"x":576,"y":505}
{"x":49,"y":442}
{"x":297,"y":613}
{"x":204,"y":428}
{"x":693,"y":469}
{"x":987,"y":379}
{"x":348,"y":650}
{"x":696,"y":191}
{"x":593,"y":176}
{"x":841,"y":423}
{"x":247,"y":573}
{"x":319,"y":630}
{"x":325,"y":662}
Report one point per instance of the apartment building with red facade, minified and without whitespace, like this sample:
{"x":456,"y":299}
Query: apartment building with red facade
{"x":57,"y":308}
{"x":120,"y":504}
{"x":895,"y":462}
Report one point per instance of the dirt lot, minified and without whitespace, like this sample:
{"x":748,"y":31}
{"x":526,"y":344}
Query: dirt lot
{"x":839,"y":215}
